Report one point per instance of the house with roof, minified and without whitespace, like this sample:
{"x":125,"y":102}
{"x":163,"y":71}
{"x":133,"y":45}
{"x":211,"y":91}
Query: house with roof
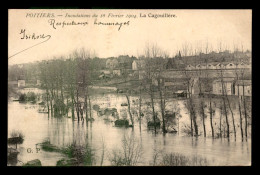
{"x":21,"y":83}
{"x":211,"y":66}
{"x":230,"y":65}
{"x":243,"y":87}
{"x":138,"y":64}
{"x":243,"y":65}
{"x":190,"y":67}
{"x":220,"y":66}
{"x":201,"y":66}
{"x":38,"y":83}
{"x":228,"y":86}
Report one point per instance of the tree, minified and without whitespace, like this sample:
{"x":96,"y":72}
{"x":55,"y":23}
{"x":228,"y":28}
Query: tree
{"x":190,"y":82}
{"x":149,"y":75}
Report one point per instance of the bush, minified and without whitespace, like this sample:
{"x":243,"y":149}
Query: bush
{"x":79,"y":155}
{"x":31,"y":96}
{"x":47,"y":146}
{"x":35,"y":162}
{"x":17,"y":137}
{"x":177,"y":159}
{"x":22,"y":97}
{"x":129,"y":155}
{"x":122,"y":122}
{"x":151,"y":124}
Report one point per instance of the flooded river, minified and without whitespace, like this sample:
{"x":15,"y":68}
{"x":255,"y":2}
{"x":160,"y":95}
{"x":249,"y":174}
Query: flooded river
{"x":38,"y":127}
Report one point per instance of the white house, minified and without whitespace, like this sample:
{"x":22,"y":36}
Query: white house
{"x":138,"y":64}
{"x":21,"y":83}
{"x":201,"y":66}
{"x":230,"y":66}
{"x":228,"y":86}
{"x":211,"y":66}
{"x":38,"y":82}
{"x":106,"y":72}
{"x":190,"y":67}
{"x":244,"y":87}
{"x":220,"y":66}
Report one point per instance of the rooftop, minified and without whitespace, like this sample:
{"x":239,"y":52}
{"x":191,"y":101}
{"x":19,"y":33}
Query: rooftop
{"x":245,"y":82}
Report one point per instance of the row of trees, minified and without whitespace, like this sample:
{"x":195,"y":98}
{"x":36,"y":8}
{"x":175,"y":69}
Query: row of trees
{"x":66,"y":84}
{"x":152,"y":76}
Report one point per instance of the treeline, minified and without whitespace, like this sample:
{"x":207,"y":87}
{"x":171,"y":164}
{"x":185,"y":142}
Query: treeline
{"x":66,"y":83}
{"x":30,"y":71}
{"x":197,"y":105}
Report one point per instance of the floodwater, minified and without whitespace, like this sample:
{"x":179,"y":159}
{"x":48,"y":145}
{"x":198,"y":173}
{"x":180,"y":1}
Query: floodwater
{"x":38,"y":127}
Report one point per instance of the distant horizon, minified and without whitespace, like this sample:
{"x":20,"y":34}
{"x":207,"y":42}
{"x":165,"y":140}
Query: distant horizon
{"x":141,"y":56}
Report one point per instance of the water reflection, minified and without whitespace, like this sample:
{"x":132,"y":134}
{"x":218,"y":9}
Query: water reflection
{"x":63,"y":131}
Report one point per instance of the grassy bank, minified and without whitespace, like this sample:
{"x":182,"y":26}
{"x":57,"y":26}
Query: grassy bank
{"x":76,"y":155}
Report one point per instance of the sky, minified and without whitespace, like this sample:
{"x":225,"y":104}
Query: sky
{"x":230,"y":27}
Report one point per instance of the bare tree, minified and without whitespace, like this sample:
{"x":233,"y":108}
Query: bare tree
{"x":149,"y":75}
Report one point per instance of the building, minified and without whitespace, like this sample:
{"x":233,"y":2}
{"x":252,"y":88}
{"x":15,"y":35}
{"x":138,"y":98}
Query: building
{"x":243,"y":87}
{"x":243,"y":65}
{"x":190,"y":67}
{"x":138,"y":64}
{"x":228,"y":86}
{"x":38,"y":83}
{"x":111,"y":63}
{"x":230,"y":66}
{"x":218,"y":65}
{"x":117,"y":72}
{"x":181,"y":93}
{"x":21,"y":83}
{"x":106,"y":72}
{"x":13,"y":83}
{"x":211,"y":66}
{"x":201,"y":66}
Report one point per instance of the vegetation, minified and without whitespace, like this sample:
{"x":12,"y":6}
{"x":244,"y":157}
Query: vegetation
{"x":48,"y":147}
{"x":162,"y":158}
{"x":122,"y":122}
{"x":79,"y":155}
{"x":129,"y":155}
{"x":31,"y":96}
{"x":16,"y":137}
{"x":176,"y":159}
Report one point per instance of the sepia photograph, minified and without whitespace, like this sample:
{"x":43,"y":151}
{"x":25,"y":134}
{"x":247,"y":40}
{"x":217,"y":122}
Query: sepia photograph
{"x":129,"y":87}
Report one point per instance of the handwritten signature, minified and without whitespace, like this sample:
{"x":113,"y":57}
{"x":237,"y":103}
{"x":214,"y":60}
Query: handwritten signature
{"x":33,"y":36}
{"x":26,"y":36}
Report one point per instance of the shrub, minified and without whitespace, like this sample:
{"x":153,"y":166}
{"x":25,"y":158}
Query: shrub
{"x":177,"y":159}
{"x":31,"y":96}
{"x":17,"y":137}
{"x":122,"y":122}
{"x":129,"y":155}
{"x":80,"y":155}
{"x":47,"y":146}
{"x":22,"y":97}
